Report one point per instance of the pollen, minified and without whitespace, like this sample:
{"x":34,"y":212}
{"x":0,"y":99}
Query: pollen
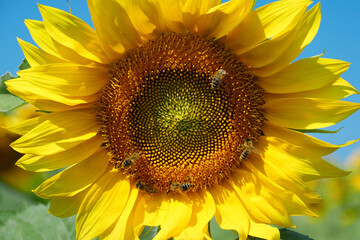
{"x":183,"y":106}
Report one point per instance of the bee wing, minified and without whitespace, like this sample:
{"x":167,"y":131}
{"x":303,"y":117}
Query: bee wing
{"x":255,"y":150}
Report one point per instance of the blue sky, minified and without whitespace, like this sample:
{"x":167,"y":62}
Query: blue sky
{"x":339,"y":35}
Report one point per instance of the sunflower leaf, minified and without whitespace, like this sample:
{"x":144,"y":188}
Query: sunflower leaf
{"x":218,"y":233}
{"x":286,"y":234}
{"x":24,"y":64}
{"x":252,"y":238}
{"x":34,"y":222}
{"x":149,"y":233}
{"x":5,"y":215}
{"x":5,"y":77}
{"x":9,"y":101}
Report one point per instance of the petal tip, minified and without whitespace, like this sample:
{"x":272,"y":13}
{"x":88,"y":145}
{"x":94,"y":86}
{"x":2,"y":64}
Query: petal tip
{"x":41,"y":7}
{"x":19,"y":164}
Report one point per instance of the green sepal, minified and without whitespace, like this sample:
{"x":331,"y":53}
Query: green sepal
{"x":43,"y":111}
{"x":253,"y":6}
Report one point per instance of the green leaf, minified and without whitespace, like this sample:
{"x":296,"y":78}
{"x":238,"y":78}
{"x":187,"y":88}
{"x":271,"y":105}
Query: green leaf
{"x":5,"y":77}
{"x":254,"y":238}
{"x":317,"y":130}
{"x":149,"y":232}
{"x":34,"y":222}
{"x":219,"y":233}
{"x":5,"y":215}
{"x":12,"y":200}
{"x":9,"y":102}
{"x":286,"y":234}
{"x":24,"y":64}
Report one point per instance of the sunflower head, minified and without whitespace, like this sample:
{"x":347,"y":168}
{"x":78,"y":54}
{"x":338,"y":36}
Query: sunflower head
{"x":184,"y":105}
{"x":171,"y":110}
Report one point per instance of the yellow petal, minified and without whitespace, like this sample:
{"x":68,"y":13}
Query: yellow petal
{"x":230,"y":212}
{"x":113,"y":26}
{"x":282,"y":198}
{"x":47,"y":99}
{"x":305,"y":33}
{"x":74,"y":179}
{"x":308,"y":113}
{"x":296,"y":159}
{"x":271,"y":51}
{"x":267,"y":51}
{"x":102,"y":206}
{"x":67,"y":79}
{"x":151,"y":210}
{"x":264,"y":231}
{"x":25,"y":126}
{"x":263,"y":204}
{"x":314,"y":145}
{"x":59,"y":132}
{"x":277,"y":16}
{"x":203,"y":210}
{"x":45,"y":42}
{"x":145,"y":17}
{"x":337,"y":90}
{"x":73,"y":33}
{"x":177,"y":218}
{"x":66,"y":207}
{"x":42,"y":37}
{"x":220,"y":20}
{"x":39,"y":163}
{"x":123,"y":229}
{"x":303,"y":75}
{"x":269,"y":21}
{"x":199,"y":7}
{"x":36,"y":56}
{"x":283,"y":176}
{"x":171,"y":12}
{"x":193,"y":9}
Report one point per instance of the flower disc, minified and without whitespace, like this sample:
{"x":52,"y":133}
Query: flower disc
{"x":165,"y":121}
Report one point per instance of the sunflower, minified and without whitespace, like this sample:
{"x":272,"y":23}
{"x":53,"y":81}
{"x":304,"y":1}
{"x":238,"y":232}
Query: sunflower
{"x":172,"y":112}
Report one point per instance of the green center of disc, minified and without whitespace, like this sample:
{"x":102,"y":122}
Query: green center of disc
{"x":179,"y":116}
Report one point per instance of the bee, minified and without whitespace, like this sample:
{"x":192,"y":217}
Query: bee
{"x":183,"y":187}
{"x":144,"y":187}
{"x":130,"y":160}
{"x":174,"y":185}
{"x":217,"y":78}
{"x":248,"y":148}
